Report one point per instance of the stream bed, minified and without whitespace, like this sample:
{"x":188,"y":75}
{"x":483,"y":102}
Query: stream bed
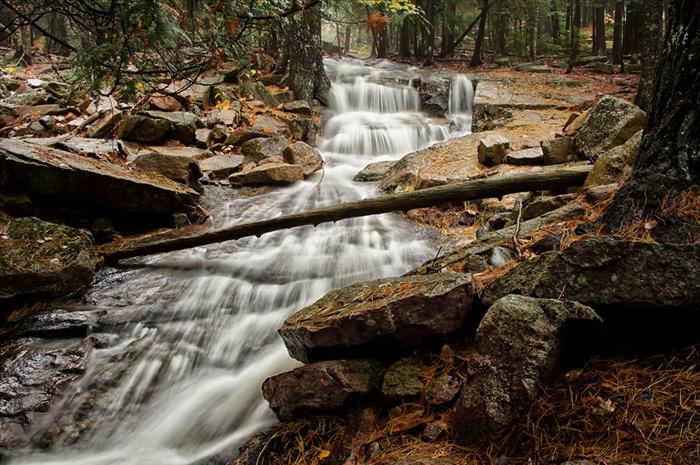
{"x":187,"y":338}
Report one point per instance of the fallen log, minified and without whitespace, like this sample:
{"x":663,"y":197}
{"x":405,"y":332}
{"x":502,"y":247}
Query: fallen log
{"x":469,"y":190}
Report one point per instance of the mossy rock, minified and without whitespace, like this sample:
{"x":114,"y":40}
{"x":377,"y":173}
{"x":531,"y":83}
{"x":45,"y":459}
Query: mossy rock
{"x":39,"y":259}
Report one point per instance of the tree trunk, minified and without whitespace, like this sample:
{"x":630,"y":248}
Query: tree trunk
{"x":348,"y":31}
{"x":448,"y":30}
{"x":405,"y":42}
{"x":554,"y":21}
{"x":650,"y":46}
{"x":575,"y":31}
{"x":599,"y":23}
{"x":478,"y":45}
{"x":668,"y":162}
{"x":617,"y":35}
{"x":469,"y":190}
{"x":382,"y":43}
{"x":633,"y":24}
{"x":501,"y":22}
{"x":307,"y":77}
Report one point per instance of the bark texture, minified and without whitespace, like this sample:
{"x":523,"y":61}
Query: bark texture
{"x":669,"y":158}
{"x":307,"y":77}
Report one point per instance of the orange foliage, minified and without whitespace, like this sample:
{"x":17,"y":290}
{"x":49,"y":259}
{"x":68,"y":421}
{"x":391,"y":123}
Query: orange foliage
{"x":376,"y":22}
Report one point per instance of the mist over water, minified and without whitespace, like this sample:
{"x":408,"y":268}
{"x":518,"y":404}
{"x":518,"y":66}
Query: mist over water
{"x":189,"y":338}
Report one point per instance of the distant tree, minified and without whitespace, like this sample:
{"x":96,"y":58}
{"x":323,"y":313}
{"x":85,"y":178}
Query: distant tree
{"x":617,"y":34}
{"x":651,"y":36}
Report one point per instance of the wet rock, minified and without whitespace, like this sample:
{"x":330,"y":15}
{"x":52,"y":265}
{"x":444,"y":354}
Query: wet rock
{"x":54,"y":323}
{"x":221,"y":166}
{"x":86,"y":183}
{"x":385,"y":316}
{"x":493,"y":149}
{"x":403,"y":379}
{"x":533,"y":156}
{"x":322,"y":387}
{"x":374,"y":171}
{"x":443,"y":389}
{"x":519,"y":346}
{"x":268,"y":175}
{"x":434,"y":96}
{"x":558,"y":150}
{"x":302,"y":154}
{"x":182,"y":169}
{"x":262,"y":147}
{"x":611,"y":122}
{"x":615,"y":165}
{"x":42,"y":259}
{"x":34,"y":374}
{"x":297,"y":106}
{"x":646,"y":288}
{"x":239,"y":136}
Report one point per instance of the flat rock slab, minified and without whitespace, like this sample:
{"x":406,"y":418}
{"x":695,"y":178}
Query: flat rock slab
{"x":322,"y":387}
{"x":42,"y":259}
{"x":221,"y":166}
{"x":34,"y":373}
{"x":381,"y":317}
{"x":273,"y":174}
{"x":67,"y":177}
{"x":519,"y":346}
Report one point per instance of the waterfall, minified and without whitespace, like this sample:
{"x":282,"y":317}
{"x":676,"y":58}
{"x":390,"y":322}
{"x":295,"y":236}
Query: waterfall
{"x":187,"y":339}
{"x":461,"y":99}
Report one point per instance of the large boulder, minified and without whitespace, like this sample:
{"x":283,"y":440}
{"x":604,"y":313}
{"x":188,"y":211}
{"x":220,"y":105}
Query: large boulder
{"x":84,"y":183}
{"x":615,"y":165}
{"x":386,"y":317}
{"x":260,"y":148}
{"x":179,"y":168}
{"x":39,"y":259}
{"x":648,"y":293}
{"x":300,"y":107}
{"x":493,"y":149}
{"x":519,"y":346}
{"x":182,"y":124}
{"x":302,"y":154}
{"x":239,"y":136}
{"x":611,"y":122}
{"x":609,"y":273}
{"x":322,"y":387}
{"x":268,"y":175}
{"x":34,"y":374}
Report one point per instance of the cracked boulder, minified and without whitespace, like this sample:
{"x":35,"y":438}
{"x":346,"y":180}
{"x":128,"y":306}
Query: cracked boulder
{"x":519,"y":346}
{"x":386,"y":316}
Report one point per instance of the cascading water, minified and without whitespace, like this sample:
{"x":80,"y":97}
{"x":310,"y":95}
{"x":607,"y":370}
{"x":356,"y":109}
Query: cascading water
{"x":460,"y":103}
{"x":187,"y":339}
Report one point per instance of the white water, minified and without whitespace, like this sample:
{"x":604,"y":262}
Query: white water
{"x":460,"y":103}
{"x":190,"y":338}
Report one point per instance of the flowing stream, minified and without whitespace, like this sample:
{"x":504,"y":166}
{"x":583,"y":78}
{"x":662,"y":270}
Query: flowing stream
{"x":189,"y":337}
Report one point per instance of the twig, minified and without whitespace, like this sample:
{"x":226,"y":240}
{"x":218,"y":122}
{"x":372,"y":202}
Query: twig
{"x":516,"y":242}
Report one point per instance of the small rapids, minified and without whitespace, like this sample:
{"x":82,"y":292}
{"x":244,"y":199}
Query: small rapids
{"x":190,"y":336}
